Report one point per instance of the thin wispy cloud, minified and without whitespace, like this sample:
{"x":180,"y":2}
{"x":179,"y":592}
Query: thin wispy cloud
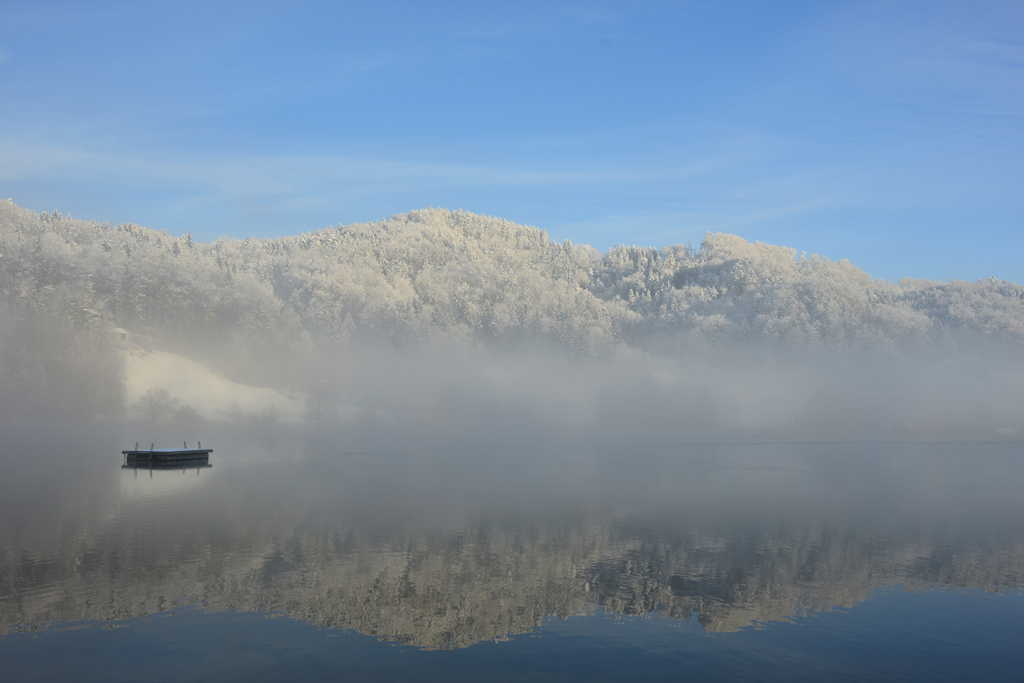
{"x":263,"y":173}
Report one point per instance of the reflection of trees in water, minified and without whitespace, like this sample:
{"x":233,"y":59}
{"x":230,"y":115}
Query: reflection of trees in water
{"x":440,"y":588}
{"x":440,"y":552}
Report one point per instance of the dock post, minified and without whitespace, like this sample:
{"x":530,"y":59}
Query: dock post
{"x":184,"y":444}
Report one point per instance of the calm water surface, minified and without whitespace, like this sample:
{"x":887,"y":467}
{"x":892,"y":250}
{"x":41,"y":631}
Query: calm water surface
{"x":709,"y":560}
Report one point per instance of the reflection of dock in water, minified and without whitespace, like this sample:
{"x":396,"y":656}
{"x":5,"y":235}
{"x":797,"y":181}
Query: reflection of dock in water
{"x":167,"y":458}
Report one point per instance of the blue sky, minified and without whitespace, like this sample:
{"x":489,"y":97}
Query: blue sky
{"x":889,"y":133}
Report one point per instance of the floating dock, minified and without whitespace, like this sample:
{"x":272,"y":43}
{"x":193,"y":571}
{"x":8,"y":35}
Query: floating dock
{"x":167,"y":458}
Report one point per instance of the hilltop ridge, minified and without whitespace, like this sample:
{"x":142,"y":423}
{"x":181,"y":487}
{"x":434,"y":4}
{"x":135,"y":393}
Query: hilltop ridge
{"x":468,"y":277}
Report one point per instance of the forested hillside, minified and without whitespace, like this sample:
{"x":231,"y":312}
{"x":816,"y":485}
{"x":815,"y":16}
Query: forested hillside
{"x":264,"y":310}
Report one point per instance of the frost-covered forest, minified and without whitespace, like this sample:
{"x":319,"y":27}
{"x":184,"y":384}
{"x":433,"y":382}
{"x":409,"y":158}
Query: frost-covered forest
{"x":297,"y":311}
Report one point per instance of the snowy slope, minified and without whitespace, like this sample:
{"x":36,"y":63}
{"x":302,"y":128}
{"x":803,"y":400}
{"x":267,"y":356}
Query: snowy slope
{"x":195,"y":385}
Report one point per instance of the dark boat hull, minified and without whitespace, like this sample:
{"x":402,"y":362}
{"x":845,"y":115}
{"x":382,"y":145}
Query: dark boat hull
{"x":167,"y":458}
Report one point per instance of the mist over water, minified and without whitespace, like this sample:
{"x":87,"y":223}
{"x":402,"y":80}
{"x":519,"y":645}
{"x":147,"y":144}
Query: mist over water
{"x":510,"y":559}
{"x":447,"y":548}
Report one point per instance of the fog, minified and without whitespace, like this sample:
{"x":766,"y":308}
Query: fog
{"x":440,"y":327}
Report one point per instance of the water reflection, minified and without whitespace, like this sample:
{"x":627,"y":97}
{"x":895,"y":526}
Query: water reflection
{"x":445,"y":549}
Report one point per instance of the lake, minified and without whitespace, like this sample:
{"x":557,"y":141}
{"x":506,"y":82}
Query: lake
{"x":306,"y":558}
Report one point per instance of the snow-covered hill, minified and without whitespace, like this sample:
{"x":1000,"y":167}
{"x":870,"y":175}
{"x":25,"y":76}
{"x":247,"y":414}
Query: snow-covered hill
{"x":356,"y":313}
